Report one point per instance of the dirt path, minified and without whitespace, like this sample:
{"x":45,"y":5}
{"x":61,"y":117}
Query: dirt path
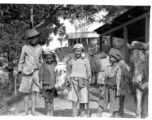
{"x":63,"y":107}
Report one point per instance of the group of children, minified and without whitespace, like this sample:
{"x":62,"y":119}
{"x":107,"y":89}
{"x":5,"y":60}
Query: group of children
{"x":37,"y":70}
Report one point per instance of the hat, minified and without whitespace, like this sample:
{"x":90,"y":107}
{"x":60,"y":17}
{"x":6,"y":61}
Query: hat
{"x":49,"y":52}
{"x":31,"y":33}
{"x":115,"y":53}
{"x":78,"y":46}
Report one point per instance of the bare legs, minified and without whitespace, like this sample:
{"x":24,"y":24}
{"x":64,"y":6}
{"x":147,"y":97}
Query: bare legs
{"x":99,"y":111}
{"x":49,"y":107}
{"x":26,"y":100}
{"x":82,"y":109}
{"x":75,"y":111}
{"x":27,"y":97}
{"x":33,"y":99}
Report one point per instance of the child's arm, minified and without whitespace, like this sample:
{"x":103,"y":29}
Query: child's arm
{"x":41,"y":75}
{"x":40,"y":58}
{"x":22,"y":59}
{"x":125,"y":69}
{"x":88,"y":70}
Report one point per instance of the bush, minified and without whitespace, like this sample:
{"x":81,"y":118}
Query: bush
{"x":6,"y":85}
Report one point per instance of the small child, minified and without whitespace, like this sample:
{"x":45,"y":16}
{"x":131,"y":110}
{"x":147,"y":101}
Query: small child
{"x":47,"y":80}
{"x":79,"y":76}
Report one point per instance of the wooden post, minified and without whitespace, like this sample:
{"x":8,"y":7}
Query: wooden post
{"x":100,"y":42}
{"x":125,"y":49}
{"x":87,"y":41}
{"x":15,"y":85}
{"x":31,"y":17}
{"x":111,"y":40}
{"x":76,"y":40}
{"x":81,"y":40}
{"x":147,"y":29}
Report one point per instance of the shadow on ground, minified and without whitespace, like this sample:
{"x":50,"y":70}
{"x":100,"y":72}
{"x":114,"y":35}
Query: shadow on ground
{"x":61,"y":113}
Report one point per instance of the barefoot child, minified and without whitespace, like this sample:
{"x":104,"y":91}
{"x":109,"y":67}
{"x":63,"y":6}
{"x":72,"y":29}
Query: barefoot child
{"x":80,"y":74}
{"x":110,"y":88}
{"x":47,"y":80}
{"x":28,"y":67}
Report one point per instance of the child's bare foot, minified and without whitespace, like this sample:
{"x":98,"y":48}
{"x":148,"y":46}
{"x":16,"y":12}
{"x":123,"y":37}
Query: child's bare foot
{"x":25,"y":112}
{"x":50,"y":114}
{"x":82,"y":114}
{"x":89,"y":114}
{"x":33,"y":112}
{"x":47,"y":114}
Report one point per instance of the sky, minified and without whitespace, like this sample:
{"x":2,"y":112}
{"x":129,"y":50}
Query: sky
{"x":70,"y":28}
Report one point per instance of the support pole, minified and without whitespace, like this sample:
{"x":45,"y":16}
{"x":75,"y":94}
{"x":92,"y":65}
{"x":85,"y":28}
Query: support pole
{"x":100,"y":42}
{"x":147,"y":29}
{"x":111,"y":40}
{"x":125,"y":49}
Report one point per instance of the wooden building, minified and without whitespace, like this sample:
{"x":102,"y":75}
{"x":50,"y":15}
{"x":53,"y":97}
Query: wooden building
{"x":133,"y":25}
{"x":86,"y":38}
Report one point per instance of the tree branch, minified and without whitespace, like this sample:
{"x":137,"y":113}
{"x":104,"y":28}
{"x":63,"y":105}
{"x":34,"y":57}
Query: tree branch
{"x":54,"y":12}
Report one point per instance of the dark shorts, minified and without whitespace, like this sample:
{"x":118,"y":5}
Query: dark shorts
{"x":49,"y":94}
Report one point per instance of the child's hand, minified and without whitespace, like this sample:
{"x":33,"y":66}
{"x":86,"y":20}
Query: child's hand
{"x":41,"y":86}
{"x":118,"y":92}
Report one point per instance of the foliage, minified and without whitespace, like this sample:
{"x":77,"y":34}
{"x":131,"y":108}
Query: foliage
{"x":15,"y":19}
{"x":62,"y":35}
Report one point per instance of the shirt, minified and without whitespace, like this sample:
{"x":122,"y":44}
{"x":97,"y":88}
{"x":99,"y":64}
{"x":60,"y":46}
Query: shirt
{"x":30,"y":59}
{"x":47,"y":74}
{"x":80,"y":68}
{"x":109,"y":74}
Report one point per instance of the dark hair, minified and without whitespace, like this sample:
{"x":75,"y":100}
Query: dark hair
{"x":53,"y":56}
{"x":115,"y":58}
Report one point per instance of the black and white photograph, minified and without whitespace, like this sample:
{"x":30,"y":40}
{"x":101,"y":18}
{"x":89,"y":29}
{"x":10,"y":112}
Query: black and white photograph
{"x":74,"y":60}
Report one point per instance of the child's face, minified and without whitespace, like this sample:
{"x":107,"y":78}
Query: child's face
{"x":33,"y":41}
{"x":77,"y":53}
{"x":49,"y":59}
{"x":112,"y":59}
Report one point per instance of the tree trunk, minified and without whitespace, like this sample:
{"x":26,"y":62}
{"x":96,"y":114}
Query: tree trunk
{"x":61,"y":45}
{"x":31,"y":17}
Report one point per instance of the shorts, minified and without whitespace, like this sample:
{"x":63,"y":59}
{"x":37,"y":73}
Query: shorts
{"x":30,"y":83}
{"x":49,"y":94}
{"x":78,"y":94}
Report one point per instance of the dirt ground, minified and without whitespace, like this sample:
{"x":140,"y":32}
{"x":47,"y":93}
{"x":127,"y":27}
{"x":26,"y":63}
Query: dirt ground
{"x":63,"y":107}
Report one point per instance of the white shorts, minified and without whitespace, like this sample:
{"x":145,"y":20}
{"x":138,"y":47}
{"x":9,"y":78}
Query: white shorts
{"x":30,"y":83}
{"x":82,"y":95}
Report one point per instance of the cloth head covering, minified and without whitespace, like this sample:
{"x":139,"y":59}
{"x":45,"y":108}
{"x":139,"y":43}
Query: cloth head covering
{"x":49,"y":52}
{"x":115,"y":53}
{"x":32,"y":33}
{"x":78,"y":46}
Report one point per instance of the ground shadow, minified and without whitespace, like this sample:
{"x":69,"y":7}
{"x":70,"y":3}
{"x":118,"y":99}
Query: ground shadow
{"x":62,"y":113}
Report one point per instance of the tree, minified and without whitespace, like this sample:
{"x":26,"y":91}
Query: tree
{"x":11,"y":40}
{"x":16,"y":18}
{"x":62,"y":35}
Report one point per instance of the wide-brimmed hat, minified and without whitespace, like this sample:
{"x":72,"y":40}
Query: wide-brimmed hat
{"x":78,"y":46}
{"x":32,"y":33}
{"x":115,"y":53}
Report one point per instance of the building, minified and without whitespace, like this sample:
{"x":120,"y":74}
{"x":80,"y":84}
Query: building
{"x":86,"y":38}
{"x":133,"y":25}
